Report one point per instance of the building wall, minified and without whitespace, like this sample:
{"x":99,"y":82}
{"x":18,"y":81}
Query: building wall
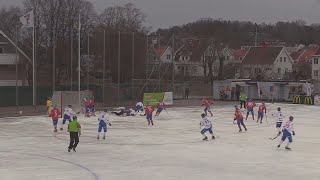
{"x":316,"y":68}
{"x":283,"y":64}
{"x":167,"y":56}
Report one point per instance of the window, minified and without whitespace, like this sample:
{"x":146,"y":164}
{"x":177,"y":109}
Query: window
{"x":316,"y":61}
{"x":168,"y":56}
{"x":284,"y":59}
{"x":286,"y":70}
{"x":279,"y":70}
{"x":178,"y":67}
{"x":257,"y":70}
{"x":268,"y":69}
{"x":315,"y":73}
{"x":1,"y":50}
{"x":241,"y":58}
{"x":280,"y":59}
{"x":227,"y":57}
{"x":154,"y":58}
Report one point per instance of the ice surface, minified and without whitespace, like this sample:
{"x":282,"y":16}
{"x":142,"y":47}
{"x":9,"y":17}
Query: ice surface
{"x":171,"y":150}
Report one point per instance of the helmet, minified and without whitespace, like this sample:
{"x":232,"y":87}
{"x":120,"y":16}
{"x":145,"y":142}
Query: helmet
{"x":70,"y":105}
{"x":74,"y":117}
{"x":279,"y":109}
{"x":263,"y":103}
{"x":105,"y":110}
{"x":203,"y":115}
{"x":291,"y":118}
{"x":55,"y":106}
{"x":236,"y":106}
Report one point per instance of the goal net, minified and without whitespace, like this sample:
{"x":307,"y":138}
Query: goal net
{"x":76,"y":98}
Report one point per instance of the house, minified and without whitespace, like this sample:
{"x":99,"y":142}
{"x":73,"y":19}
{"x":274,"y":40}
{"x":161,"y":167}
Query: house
{"x":8,"y":61}
{"x":266,"y":63}
{"x":158,"y":58}
{"x":316,"y":66}
{"x":188,"y":61}
{"x":238,"y":56}
{"x":303,"y":61}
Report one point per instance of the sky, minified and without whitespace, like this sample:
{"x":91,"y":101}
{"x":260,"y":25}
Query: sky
{"x":167,"y":13}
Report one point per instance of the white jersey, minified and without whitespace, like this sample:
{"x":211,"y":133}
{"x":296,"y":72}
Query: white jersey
{"x":288,"y":126}
{"x":205,"y":123}
{"x":139,"y":104}
{"x":68,"y":111}
{"x":104,"y":117}
{"x":278,"y":116}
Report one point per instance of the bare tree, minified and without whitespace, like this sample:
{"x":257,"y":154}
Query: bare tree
{"x":125,"y":18}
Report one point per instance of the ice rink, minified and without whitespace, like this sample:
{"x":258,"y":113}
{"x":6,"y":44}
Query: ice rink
{"x":171,"y":150}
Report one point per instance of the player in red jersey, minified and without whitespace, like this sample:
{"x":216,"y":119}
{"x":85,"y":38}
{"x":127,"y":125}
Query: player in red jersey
{"x":148,"y":111}
{"x":239,"y":118}
{"x":262,"y":110}
{"x":91,"y":107}
{"x":55,"y":114}
{"x":250,"y":105}
{"x":161,"y":107}
{"x":207,"y":103}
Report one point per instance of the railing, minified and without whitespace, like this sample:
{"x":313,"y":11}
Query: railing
{"x":8,"y":59}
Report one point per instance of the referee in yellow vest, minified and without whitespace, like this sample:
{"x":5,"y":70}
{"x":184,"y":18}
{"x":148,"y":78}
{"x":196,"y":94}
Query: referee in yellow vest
{"x":74,"y":129}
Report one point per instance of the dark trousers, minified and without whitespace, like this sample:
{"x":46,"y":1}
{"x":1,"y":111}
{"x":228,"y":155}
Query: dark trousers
{"x":74,"y":140}
{"x":186,"y":96}
{"x":243,"y":103}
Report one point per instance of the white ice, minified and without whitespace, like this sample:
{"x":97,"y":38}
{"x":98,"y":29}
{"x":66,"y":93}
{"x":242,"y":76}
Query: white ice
{"x":171,"y":150}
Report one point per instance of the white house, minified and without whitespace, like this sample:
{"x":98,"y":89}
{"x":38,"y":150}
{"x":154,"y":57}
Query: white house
{"x":158,"y":57}
{"x":188,"y":61}
{"x":266,"y":62}
{"x":316,"y":66}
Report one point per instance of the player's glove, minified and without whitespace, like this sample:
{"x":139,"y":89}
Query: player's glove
{"x":293,"y":133}
{"x":109,"y":124}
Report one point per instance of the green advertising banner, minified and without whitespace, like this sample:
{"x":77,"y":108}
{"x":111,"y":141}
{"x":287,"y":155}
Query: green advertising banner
{"x":152,"y":98}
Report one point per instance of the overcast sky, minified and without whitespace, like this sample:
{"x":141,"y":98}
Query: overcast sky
{"x":166,"y":13}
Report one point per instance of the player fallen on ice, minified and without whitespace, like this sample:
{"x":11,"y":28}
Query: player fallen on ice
{"x":55,"y":114}
{"x":207,"y":103}
{"x":68,"y":112}
{"x":239,"y":118}
{"x":139,"y":107}
{"x":148,"y":112}
{"x":279,"y":118}
{"x":49,"y":105}
{"x":206,"y":125}
{"x":124,"y":112}
{"x":288,"y":132}
{"x":161,"y":107}
{"x":103,"y":122}
{"x":92,"y":107}
{"x":261,"y":112}
{"x":74,"y":129}
{"x":250,"y":105}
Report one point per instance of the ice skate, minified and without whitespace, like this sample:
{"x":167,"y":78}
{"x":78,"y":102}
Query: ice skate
{"x":104,"y":137}
{"x":278,"y":146}
{"x":69,"y":149}
{"x":287,"y":148}
{"x":74,"y":149}
{"x":213,"y":137}
{"x":98,"y":137}
{"x":240,"y":130}
{"x":61,"y":129}
{"x":205,"y":139}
